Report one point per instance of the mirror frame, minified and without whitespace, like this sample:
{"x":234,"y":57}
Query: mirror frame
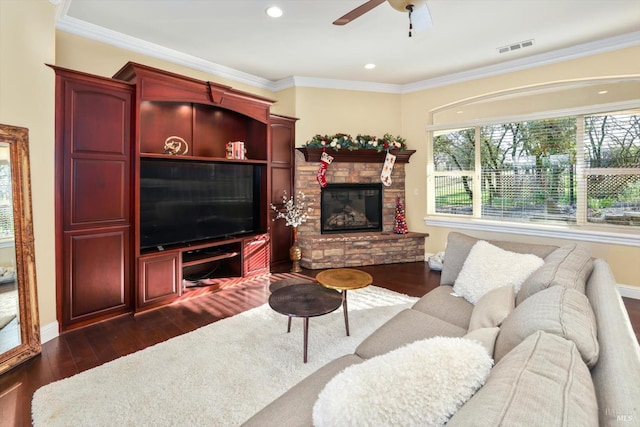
{"x":18,"y":140}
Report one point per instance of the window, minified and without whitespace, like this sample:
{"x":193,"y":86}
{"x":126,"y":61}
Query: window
{"x":6,"y":206}
{"x":612,"y":157}
{"x":566,"y":170}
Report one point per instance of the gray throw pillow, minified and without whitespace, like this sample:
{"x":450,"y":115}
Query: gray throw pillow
{"x":568,"y":266}
{"x":558,"y":310}
{"x":491,"y":310}
{"x":542,"y":381}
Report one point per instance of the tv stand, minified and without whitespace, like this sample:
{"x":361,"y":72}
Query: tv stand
{"x":162,"y":274}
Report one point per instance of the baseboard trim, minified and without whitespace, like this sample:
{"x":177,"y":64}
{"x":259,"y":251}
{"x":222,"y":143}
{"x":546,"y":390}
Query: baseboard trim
{"x":49,"y":332}
{"x":629,"y":291}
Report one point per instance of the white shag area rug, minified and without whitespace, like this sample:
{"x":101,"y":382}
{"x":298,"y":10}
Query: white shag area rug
{"x":218,"y":375}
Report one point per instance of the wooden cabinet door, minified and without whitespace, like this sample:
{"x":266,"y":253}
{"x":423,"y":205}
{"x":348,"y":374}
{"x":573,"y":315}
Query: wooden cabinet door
{"x":282,"y":174}
{"x":159,"y":279}
{"x":93,"y":201}
{"x":96,"y":275}
{"x":255,"y":255}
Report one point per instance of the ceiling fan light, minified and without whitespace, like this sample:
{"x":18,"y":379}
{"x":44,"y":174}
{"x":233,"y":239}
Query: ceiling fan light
{"x":401,"y":5}
{"x":274,"y":12}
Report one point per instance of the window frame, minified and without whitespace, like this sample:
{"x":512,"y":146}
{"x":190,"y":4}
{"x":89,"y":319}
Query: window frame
{"x":582,"y":230}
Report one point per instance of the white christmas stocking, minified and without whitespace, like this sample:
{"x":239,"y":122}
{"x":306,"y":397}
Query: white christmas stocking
{"x":385,"y":176}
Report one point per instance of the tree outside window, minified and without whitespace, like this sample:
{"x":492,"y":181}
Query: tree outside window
{"x":527,"y":171}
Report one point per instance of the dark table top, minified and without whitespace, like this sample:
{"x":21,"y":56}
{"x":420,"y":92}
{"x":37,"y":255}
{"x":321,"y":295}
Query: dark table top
{"x":305,"y":300}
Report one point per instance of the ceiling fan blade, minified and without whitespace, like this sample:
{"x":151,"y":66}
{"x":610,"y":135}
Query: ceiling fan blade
{"x":421,"y":18}
{"x":357,"y":12}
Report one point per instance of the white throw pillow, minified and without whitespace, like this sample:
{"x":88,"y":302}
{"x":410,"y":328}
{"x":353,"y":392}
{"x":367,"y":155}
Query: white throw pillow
{"x":488,"y":267}
{"x":421,"y":384}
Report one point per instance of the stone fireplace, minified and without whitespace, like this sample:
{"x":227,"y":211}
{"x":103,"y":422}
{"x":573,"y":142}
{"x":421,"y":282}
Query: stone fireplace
{"x":351,"y":248}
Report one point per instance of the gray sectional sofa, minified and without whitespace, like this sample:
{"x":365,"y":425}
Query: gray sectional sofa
{"x":564,"y":350}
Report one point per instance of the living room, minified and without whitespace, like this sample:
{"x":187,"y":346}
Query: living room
{"x":28,"y":98}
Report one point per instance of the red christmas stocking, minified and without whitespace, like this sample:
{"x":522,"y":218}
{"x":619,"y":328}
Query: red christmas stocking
{"x":325,"y":161}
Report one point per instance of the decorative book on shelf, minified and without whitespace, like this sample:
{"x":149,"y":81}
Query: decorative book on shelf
{"x":355,"y":156}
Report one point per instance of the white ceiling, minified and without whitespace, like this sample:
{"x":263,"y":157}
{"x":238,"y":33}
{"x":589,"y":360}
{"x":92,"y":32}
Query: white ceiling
{"x":235,"y":37}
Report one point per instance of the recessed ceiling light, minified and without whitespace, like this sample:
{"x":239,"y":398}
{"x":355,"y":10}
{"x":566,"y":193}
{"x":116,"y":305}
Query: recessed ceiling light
{"x":274,"y":12}
{"x":370,"y":66}
{"x":602,"y":92}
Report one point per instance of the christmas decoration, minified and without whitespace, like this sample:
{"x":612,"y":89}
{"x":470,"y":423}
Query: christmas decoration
{"x":325,"y":161}
{"x":385,"y":176}
{"x":343,"y":141}
{"x":400,"y":224}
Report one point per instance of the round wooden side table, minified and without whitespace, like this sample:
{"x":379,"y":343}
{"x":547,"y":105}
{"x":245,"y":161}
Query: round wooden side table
{"x":343,"y":280}
{"x":304,"y":300}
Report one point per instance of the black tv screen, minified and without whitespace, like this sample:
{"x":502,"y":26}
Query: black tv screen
{"x":184,"y":201}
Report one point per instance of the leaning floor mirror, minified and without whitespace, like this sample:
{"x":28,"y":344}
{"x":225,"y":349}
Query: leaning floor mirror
{"x":19,"y":323}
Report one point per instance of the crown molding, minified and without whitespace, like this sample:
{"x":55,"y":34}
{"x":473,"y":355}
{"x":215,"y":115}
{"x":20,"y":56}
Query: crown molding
{"x":300,"y":81}
{"x":94,"y":32}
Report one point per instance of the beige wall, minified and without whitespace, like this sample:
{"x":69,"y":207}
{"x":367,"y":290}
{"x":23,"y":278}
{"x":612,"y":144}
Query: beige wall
{"x":286,"y":102}
{"x":27,"y":88}
{"x":28,"y":40}
{"x":331,"y":111}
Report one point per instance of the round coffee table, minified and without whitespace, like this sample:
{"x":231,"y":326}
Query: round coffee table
{"x":344,"y":279}
{"x":304,"y":300}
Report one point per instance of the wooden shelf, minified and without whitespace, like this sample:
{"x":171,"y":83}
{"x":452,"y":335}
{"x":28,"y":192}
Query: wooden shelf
{"x":197,"y":158}
{"x":205,"y":259}
{"x":355,"y":156}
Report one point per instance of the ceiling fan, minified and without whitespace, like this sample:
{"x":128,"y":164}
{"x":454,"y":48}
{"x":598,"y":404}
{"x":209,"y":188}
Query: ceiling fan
{"x":419,"y":15}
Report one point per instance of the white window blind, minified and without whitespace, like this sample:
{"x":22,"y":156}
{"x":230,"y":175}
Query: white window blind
{"x":567,"y":170}
{"x":6,"y":207}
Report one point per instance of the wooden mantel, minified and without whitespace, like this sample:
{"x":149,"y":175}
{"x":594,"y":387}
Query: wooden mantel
{"x":355,"y":156}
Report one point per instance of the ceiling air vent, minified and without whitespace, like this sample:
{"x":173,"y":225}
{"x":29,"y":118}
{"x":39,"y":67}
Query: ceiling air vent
{"x":515,"y":46}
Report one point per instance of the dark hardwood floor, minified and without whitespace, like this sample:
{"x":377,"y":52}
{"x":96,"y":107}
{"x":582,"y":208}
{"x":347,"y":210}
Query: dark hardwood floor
{"x":85,"y":348}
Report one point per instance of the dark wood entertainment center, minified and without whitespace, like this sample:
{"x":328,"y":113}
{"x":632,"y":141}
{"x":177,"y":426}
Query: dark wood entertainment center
{"x":104,"y":127}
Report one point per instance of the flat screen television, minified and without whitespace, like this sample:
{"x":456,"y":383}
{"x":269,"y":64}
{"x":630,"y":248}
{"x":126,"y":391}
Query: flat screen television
{"x":185,"y":201}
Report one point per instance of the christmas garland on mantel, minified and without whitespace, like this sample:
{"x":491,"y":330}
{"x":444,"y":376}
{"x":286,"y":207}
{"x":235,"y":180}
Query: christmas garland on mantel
{"x":343,"y":141}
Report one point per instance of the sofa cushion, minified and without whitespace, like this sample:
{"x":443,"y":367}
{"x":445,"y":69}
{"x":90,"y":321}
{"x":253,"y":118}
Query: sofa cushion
{"x":295,"y":406}
{"x":485,"y":336}
{"x":568,"y":266}
{"x":492,"y":308}
{"x":404,"y":328}
{"x":438,"y":374}
{"x":441,"y":304}
{"x":557,"y":310}
{"x":488,"y":267}
{"x":616,"y":376}
{"x":459,"y":245}
{"x":543,"y":381}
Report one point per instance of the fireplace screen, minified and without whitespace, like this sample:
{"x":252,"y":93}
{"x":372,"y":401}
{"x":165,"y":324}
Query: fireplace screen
{"x":350,"y":208}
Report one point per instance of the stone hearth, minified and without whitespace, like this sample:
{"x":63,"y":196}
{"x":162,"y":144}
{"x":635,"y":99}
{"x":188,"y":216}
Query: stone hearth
{"x":354,"y":249}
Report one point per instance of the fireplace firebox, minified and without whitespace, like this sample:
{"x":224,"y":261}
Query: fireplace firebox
{"x":350,"y":208}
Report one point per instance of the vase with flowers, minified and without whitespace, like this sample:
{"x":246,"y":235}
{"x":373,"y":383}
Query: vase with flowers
{"x":294,"y":211}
